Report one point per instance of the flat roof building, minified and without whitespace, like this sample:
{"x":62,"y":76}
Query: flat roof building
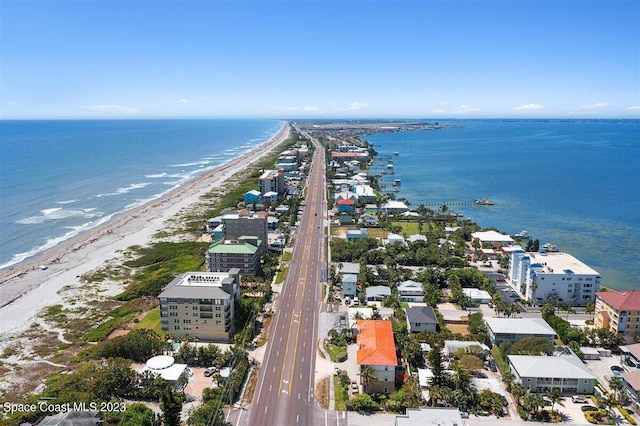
{"x":201,"y":304}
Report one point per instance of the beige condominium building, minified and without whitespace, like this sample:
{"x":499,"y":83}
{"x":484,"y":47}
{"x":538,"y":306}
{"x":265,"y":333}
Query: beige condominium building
{"x":201,"y":305}
{"x":618,"y":311}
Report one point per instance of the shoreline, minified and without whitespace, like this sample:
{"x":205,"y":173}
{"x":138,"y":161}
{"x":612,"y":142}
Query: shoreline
{"x":25,"y":289}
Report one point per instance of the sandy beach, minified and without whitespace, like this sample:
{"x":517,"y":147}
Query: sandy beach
{"x":25,"y":289}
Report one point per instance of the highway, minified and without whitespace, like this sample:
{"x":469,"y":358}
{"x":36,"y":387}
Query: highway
{"x":284,"y":392}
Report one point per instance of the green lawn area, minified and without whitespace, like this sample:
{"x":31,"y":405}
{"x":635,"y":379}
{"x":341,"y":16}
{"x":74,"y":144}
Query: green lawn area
{"x":341,"y":393}
{"x":336,"y":353}
{"x":337,"y":231}
{"x":281,"y":274}
{"x":408,"y":228}
{"x":286,"y":256}
{"x":151,"y":321}
{"x":377,"y":233}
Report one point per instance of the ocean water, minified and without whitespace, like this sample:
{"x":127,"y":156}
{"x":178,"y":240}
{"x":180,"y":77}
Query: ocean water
{"x":573,"y":183}
{"x":59,"y":178}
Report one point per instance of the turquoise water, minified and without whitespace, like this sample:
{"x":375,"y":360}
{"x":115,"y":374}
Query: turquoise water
{"x":59,"y":178}
{"x":572,"y":183}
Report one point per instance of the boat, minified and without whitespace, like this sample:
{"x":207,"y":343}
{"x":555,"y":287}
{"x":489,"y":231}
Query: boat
{"x":483,"y":202}
{"x":395,"y":153}
{"x":552,"y":248}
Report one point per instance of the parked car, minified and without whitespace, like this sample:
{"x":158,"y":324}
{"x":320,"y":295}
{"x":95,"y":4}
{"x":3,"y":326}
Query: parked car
{"x":579,"y":399}
{"x":209,"y":371}
{"x":585,"y":408}
{"x":617,"y":368}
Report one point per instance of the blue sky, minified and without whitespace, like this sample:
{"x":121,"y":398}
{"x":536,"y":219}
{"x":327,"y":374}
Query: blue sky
{"x":324,"y":59}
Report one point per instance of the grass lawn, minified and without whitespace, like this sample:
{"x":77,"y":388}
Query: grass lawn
{"x":377,"y":233}
{"x":337,"y":231}
{"x":281,"y":274}
{"x":341,"y":393}
{"x":286,"y":256}
{"x":336,"y":353}
{"x":151,"y":321}
{"x":408,"y":228}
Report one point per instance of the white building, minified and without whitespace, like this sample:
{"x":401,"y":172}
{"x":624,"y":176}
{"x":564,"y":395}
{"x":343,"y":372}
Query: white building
{"x":410,"y":291}
{"x":543,"y":373}
{"x":514,"y":329}
{"x":476,"y":295}
{"x":540,"y":276}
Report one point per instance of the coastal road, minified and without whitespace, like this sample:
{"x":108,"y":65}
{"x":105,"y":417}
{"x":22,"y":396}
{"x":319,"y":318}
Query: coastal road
{"x":284,"y":392}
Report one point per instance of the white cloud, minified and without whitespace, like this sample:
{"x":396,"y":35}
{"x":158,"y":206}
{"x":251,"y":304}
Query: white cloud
{"x":528,"y":107}
{"x":594,"y":106}
{"x":358,"y":105}
{"x":439,"y":111}
{"x":184,"y":101}
{"x":112,"y":109}
{"x":633,"y":108}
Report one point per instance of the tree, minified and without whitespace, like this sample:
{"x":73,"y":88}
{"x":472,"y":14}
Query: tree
{"x":439,"y":377}
{"x":615,"y":384}
{"x":171,"y":406}
{"x":137,"y":414}
{"x":555,"y":396}
{"x":363,"y":402}
{"x":367,"y":376}
{"x":518,"y":391}
{"x":532,"y":346}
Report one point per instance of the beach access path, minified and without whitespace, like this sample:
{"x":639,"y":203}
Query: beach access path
{"x":26,"y":289}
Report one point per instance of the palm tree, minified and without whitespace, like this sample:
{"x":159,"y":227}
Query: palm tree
{"x":616,"y":385}
{"x":367,"y":376}
{"x":508,"y":377}
{"x":518,"y":391}
{"x":555,"y":396}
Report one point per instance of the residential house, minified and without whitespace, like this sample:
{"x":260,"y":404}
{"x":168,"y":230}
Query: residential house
{"x":543,"y":373}
{"x":417,"y":237}
{"x":364,"y":193}
{"x":410,"y":291}
{"x":368,"y":220}
{"x":349,"y":285}
{"x":393,"y":207}
{"x":395,"y":238}
{"x":270,"y":196}
{"x":356,"y":234}
{"x":242,"y":254}
{"x":252,"y":196}
{"x":619,"y":311}
{"x":491,"y":239}
{"x":346,"y":206}
{"x":377,"y":350}
{"x":514,"y":329}
{"x":547,"y":276}
{"x":421,"y":318}
{"x":476,"y":295}
{"x":378,"y":293}
{"x":201,"y":304}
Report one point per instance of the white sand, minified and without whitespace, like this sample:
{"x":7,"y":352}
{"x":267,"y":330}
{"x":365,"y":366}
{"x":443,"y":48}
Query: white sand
{"x":26,"y":289}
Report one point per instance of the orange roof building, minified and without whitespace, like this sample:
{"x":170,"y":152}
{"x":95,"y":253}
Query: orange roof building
{"x":376,"y":344}
{"x":618,"y":311}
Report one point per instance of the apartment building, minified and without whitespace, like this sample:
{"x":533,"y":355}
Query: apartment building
{"x":246,"y":223}
{"x":201,"y":304}
{"x":377,"y":350}
{"x":272,"y":180}
{"x":541,"y":277}
{"x":618,"y":311}
{"x":243,"y":254}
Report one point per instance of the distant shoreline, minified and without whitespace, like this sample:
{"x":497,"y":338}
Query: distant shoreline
{"x":25,"y":288}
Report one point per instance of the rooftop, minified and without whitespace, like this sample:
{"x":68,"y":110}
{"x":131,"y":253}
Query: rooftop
{"x":519,"y":326}
{"x":621,"y":300}
{"x":492,"y":236}
{"x":425,"y":416}
{"x":632,"y":378}
{"x":233,"y":247}
{"x":199,"y":285}
{"x":560,"y":263}
{"x":421,"y":314}
{"x":376,"y":344}
{"x":550,"y":366}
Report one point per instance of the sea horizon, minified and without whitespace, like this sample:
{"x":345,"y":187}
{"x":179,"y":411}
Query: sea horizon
{"x":569,"y":182}
{"x":61,"y":178}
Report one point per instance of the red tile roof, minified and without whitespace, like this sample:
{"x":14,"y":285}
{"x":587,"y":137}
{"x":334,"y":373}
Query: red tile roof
{"x":346,"y":202}
{"x":621,"y":300}
{"x":375,"y":340}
